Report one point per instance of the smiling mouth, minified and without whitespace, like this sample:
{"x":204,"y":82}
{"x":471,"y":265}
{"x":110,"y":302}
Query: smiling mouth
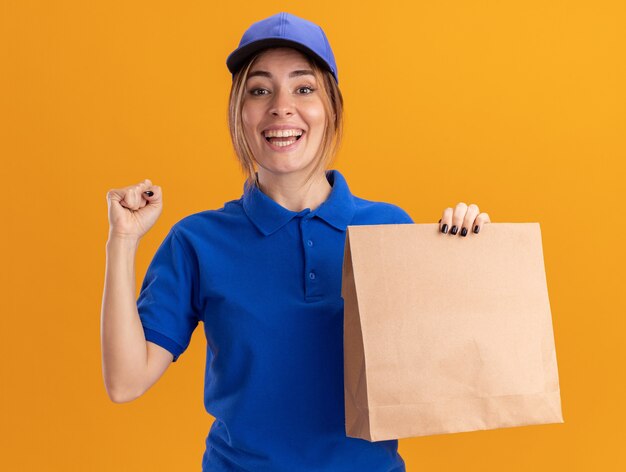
{"x":282,"y":139}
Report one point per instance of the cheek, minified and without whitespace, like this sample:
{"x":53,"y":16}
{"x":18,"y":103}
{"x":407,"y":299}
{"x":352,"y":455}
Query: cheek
{"x":249,"y":122}
{"x":316,"y":116}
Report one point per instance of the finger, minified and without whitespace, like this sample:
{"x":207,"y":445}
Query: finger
{"x":480,"y":220}
{"x":130,"y":198}
{"x":115,"y":198}
{"x":457,"y":217}
{"x":472,"y":212}
{"x":156,"y":197}
{"x":142,"y":197}
{"x":446,"y":220}
{"x":148,"y":192}
{"x":115,"y":195}
{"x":133,"y":196}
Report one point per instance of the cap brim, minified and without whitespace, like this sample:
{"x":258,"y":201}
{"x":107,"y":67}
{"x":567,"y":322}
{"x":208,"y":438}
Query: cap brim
{"x":240,"y":56}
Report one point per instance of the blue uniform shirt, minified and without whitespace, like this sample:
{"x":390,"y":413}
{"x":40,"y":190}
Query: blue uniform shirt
{"x":266,"y":283}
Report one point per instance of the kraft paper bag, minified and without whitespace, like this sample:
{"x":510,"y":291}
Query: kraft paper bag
{"x":445,"y":334}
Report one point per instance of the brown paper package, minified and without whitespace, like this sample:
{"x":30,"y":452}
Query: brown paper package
{"x":444,"y":333}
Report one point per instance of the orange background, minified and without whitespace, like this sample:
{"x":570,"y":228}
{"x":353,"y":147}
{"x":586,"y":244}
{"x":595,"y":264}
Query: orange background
{"x":516,"y":106}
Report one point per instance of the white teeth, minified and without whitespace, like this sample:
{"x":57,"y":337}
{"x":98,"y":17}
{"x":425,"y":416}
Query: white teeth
{"x":282,"y":133}
{"x":284,"y":143}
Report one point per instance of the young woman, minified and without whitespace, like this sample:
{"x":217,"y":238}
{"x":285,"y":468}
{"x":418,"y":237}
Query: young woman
{"x":263,"y":273}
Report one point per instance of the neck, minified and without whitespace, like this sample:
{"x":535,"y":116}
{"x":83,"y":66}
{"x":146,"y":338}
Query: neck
{"x":289,"y":190}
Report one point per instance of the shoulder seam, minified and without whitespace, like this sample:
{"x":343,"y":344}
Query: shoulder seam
{"x":195,"y":283}
{"x":177,"y":237}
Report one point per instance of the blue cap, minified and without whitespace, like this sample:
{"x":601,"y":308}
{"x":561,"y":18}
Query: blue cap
{"x":284,"y":29}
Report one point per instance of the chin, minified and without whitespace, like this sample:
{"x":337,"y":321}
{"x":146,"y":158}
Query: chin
{"x":284,"y":166}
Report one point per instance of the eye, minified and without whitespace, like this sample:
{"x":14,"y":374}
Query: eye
{"x":253,"y":91}
{"x":257,"y":92}
{"x":307,"y":87}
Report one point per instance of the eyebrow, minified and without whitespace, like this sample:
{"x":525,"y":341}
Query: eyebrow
{"x":264,"y":73}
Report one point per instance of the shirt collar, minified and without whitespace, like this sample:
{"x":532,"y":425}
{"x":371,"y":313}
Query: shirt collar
{"x":268,"y":216}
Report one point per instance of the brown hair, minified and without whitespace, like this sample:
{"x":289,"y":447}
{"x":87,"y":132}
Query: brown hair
{"x":333,"y":106}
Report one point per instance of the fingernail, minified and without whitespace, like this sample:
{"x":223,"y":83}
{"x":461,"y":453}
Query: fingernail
{"x":476,"y":229}
{"x":444,"y":228}
{"x":463,"y":231}
{"x":454,"y":230}
{"x":439,"y":220}
{"x":149,"y":193}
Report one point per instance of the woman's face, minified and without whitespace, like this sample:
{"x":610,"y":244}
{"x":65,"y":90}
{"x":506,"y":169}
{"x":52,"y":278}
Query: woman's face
{"x":282,"y":93}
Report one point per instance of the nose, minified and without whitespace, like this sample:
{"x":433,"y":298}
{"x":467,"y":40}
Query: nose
{"x":282,"y":103}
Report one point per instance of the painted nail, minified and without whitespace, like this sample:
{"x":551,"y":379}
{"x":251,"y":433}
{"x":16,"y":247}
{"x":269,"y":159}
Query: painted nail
{"x":476,"y":229}
{"x":463,"y":231}
{"x":444,"y":228}
{"x":149,"y":193}
{"x":454,"y":229}
{"x":439,"y":220}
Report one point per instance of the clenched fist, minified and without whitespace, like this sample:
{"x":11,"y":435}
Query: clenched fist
{"x":132,"y":210}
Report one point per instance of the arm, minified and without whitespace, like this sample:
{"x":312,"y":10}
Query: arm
{"x":130,"y":364}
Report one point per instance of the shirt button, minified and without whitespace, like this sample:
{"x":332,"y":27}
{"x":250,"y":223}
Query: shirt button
{"x":309,"y":243}
{"x":311,"y":275}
